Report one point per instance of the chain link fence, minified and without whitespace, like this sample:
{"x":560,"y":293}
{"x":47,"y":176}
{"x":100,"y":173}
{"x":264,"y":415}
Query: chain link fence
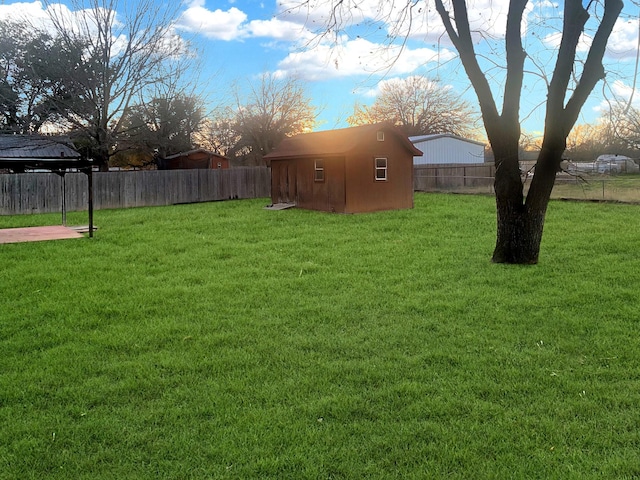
{"x":604,"y":184}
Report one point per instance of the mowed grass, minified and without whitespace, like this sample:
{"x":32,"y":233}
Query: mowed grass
{"x":222,"y":340}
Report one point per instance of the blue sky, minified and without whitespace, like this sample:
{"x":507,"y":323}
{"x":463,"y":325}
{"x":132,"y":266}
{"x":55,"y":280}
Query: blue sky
{"x":240,"y":39}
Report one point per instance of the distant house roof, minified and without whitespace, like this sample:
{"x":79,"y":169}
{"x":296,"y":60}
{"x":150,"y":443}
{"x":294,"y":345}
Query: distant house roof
{"x":335,"y":142}
{"x":191,"y":152}
{"x":39,"y":151}
{"x":435,"y":136}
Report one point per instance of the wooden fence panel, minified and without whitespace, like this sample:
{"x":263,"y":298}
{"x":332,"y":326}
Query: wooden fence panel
{"x":30,"y":193}
{"x":42,"y":192}
{"x":76,"y":192}
{"x":452,"y":177}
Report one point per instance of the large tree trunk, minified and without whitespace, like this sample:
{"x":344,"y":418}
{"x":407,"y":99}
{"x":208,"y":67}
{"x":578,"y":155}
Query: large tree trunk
{"x":100,"y":157}
{"x":101,"y":150}
{"x":520,"y":223}
{"x":519,"y":233}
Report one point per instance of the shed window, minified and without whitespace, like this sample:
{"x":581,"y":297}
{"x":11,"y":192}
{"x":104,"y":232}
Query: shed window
{"x":319,"y":171}
{"x":381,"y":169}
{"x":380,"y":136}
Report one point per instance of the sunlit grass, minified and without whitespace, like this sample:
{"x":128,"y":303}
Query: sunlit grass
{"x":222,"y":340}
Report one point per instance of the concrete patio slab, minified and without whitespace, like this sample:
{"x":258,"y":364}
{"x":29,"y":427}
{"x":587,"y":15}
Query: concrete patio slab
{"x":37,"y":234}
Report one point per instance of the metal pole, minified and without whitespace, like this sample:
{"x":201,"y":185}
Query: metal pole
{"x":89,"y":173}
{"x":64,"y":200}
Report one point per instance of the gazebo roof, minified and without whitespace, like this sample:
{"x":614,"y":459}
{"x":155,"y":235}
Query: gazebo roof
{"x":39,"y":151}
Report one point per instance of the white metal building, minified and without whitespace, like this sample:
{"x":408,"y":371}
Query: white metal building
{"x":447,"y":148}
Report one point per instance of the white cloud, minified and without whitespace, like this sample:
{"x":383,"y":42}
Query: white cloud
{"x":79,"y":21}
{"x":622,"y":94}
{"x":374,"y":92}
{"x":358,"y":57}
{"x":279,"y":30}
{"x":33,"y":12}
{"x":623,"y":42}
{"x":546,"y":4}
{"x":553,"y":41}
{"x":23,"y":10}
{"x":316,"y":15}
{"x":417,"y":20}
{"x":487,"y":18}
{"x":217,"y":24}
{"x":233,"y":24}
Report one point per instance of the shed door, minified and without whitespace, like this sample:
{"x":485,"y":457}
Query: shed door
{"x":287,"y":182}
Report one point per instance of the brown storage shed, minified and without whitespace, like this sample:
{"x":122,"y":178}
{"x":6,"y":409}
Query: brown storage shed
{"x":199,"y":158}
{"x":351,"y":170}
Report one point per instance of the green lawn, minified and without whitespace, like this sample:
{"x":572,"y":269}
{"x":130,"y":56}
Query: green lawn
{"x":222,"y":340}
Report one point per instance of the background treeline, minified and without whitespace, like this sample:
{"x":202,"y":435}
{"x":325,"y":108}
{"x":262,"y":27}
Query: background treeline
{"x":128,"y":92}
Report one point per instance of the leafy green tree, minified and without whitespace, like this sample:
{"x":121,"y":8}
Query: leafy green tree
{"x":161,"y":127}
{"x":30,"y":88}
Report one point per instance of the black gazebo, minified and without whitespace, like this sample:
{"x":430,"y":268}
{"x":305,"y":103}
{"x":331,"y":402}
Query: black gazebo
{"x":21,"y":153}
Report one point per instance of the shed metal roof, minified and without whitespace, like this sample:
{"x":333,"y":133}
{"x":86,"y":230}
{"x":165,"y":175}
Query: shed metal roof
{"x":336,"y":142}
{"x":435,"y":136}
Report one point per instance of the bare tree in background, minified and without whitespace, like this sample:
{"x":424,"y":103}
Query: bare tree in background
{"x":108,"y":59}
{"x":587,"y":141}
{"x":622,"y":125}
{"x":520,"y":218}
{"x":274,"y":109}
{"x":419,"y":106}
{"x":217,"y":132}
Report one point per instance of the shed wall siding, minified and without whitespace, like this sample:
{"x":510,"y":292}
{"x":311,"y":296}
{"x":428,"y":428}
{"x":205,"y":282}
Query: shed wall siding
{"x":365,"y":194}
{"x":448,"y":150}
{"x":349,"y":184}
{"x":293,"y":181}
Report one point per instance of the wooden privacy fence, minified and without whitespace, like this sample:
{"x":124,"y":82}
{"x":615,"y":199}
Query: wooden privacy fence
{"x":42,"y":192}
{"x":429,"y":178}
